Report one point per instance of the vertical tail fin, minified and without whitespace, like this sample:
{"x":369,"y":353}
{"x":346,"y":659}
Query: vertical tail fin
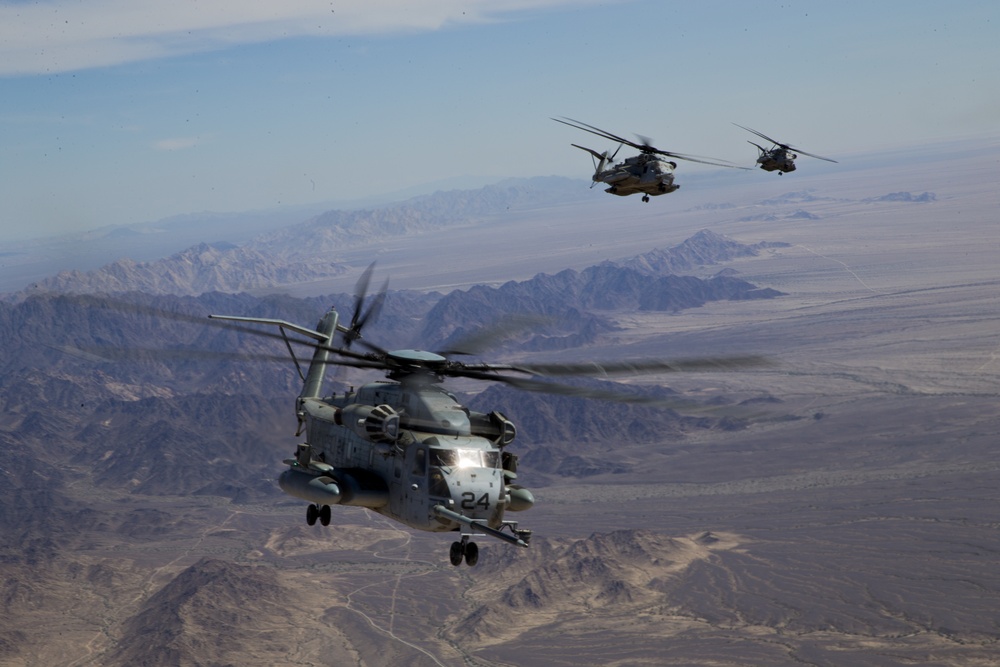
{"x":327,"y":327}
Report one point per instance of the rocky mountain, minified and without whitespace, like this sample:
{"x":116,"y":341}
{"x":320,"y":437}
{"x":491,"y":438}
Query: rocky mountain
{"x":625,"y":569}
{"x":199,"y":269}
{"x":706,"y":248}
{"x":922,"y":198}
{"x":306,"y":251}
{"x":572,"y":308}
{"x":568,"y":306}
{"x":333,"y":231}
{"x":202,"y":616}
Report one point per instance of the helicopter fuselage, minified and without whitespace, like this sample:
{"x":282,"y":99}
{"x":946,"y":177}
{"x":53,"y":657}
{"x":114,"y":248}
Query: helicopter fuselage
{"x":645,"y":173}
{"x":777,"y":159}
{"x":402,"y":449}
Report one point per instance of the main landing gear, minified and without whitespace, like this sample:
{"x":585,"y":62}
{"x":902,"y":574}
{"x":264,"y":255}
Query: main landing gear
{"x":645,"y":198}
{"x":322,"y":513}
{"x":469,"y":551}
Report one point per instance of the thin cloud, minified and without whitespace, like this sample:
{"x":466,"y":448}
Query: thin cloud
{"x":68,"y":35}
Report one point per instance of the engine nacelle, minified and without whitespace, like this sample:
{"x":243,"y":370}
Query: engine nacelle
{"x":494,"y":427}
{"x":378,"y":423}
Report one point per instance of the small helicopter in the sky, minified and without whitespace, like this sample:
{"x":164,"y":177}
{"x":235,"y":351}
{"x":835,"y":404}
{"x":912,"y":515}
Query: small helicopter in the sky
{"x":779,"y":157}
{"x":405,"y":447}
{"x":646,"y":172}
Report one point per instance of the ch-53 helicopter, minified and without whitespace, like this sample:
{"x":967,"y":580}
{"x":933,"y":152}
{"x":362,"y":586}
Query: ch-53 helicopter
{"x":646,"y":172}
{"x":405,"y":447}
{"x":779,"y":157}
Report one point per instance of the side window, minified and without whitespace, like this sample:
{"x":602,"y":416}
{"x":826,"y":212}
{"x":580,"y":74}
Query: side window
{"x":444,"y":457}
{"x":420,"y":462}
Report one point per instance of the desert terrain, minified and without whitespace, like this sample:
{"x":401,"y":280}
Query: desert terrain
{"x":853,"y":520}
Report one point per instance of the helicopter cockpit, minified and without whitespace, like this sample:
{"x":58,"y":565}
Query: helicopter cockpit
{"x":464,"y":458}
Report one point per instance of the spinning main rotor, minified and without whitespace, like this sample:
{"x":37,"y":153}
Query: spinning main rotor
{"x":778,"y":144}
{"x":645,"y":147}
{"x":435,"y":367}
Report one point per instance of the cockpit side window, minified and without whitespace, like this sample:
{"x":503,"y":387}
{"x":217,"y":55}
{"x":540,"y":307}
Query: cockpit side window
{"x":420,"y":462}
{"x":444,"y":457}
{"x":491,"y":459}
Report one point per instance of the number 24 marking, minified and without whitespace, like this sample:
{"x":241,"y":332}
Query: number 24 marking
{"x":469,"y":501}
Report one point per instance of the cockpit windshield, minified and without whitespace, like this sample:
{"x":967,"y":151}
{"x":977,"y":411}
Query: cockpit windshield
{"x":464,"y":458}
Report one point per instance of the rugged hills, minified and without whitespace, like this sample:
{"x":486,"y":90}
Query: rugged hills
{"x":202,"y":268}
{"x":208,"y":612}
{"x":121,"y":411}
{"x":135,"y":388}
{"x":140,"y":442}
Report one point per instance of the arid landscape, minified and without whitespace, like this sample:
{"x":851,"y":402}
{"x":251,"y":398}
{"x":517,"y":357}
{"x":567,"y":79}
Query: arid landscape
{"x":839,"y":506}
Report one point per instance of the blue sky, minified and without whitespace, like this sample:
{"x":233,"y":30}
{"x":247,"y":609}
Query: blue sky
{"x":124,"y":111}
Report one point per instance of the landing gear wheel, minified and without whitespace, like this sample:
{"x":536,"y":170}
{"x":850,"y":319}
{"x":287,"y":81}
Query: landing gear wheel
{"x":312,"y":513}
{"x":457,"y":553}
{"x":645,"y":198}
{"x":471,"y":554}
{"x":324,"y":515}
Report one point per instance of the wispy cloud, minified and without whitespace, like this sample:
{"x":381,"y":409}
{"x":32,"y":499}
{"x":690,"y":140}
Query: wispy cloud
{"x":64,"y":35}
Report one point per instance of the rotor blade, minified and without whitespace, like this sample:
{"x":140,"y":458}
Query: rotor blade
{"x":360,"y":291}
{"x":646,"y":366}
{"x":691,"y":158}
{"x":761,"y":135}
{"x":359,"y":318}
{"x":544,"y":387}
{"x":645,"y":147}
{"x":99,"y":354}
{"x":598,"y":131}
{"x":646,"y":142}
{"x":361,"y":363}
{"x":599,"y":156}
{"x":818,"y":157}
{"x":487,"y":337}
{"x":376,"y":306}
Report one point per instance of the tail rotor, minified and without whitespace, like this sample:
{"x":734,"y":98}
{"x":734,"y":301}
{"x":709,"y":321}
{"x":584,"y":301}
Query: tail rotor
{"x":361,"y":317}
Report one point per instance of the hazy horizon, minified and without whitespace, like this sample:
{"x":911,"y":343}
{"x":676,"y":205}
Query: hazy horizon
{"x":121,"y":113}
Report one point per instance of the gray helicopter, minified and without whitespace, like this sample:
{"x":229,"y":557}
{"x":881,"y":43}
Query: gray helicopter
{"x":779,"y":157}
{"x":405,"y":447}
{"x":646,"y":172}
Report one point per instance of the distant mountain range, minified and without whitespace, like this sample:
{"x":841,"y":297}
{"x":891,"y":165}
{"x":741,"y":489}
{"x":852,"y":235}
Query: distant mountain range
{"x":202,"y":268}
{"x":294,"y":254}
{"x":306,"y":252}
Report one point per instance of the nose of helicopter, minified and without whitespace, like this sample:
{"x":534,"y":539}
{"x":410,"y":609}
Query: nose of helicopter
{"x":477,"y":493}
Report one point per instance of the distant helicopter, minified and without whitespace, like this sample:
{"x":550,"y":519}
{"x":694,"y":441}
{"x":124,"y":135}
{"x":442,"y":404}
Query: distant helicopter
{"x":779,"y":157}
{"x":405,"y":447}
{"x":646,"y":172}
